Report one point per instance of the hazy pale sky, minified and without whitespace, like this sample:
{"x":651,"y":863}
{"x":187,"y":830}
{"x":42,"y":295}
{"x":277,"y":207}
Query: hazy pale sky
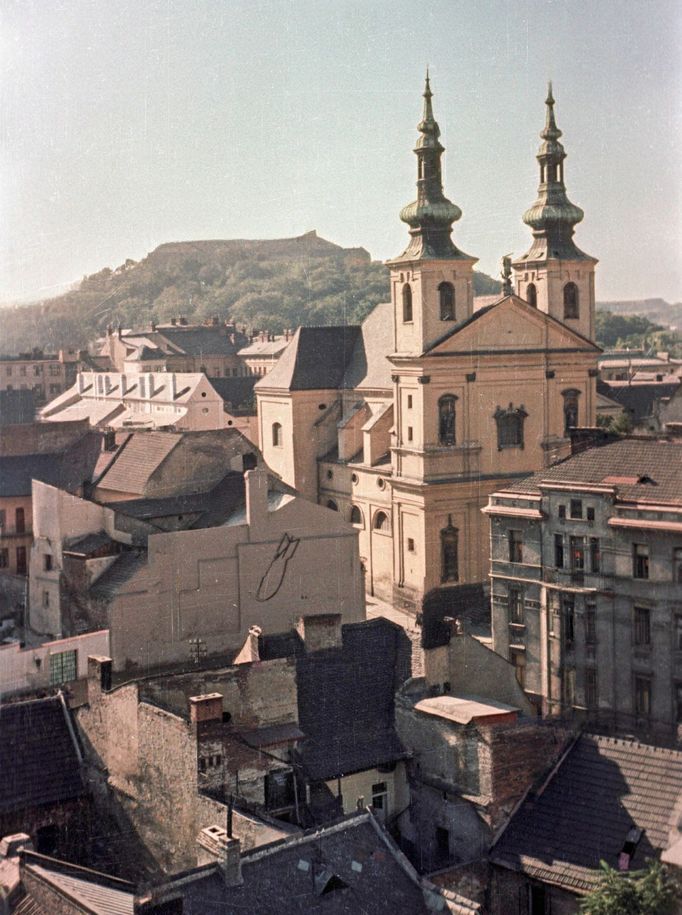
{"x":128,"y":123}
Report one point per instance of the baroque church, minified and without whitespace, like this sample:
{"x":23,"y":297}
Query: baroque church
{"x":407,"y":423}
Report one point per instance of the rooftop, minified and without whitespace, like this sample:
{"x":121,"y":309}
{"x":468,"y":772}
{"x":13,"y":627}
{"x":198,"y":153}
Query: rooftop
{"x":603,"y":788}
{"x":39,"y":756}
{"x":463,"y":709}
{"x":657,"y":464}
{"x":315,"y":359}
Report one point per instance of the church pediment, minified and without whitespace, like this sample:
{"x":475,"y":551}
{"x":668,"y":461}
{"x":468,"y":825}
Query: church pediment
{"x":511,"y":324}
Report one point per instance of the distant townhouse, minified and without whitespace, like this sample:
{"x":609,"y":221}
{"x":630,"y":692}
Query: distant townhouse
{"x":149,"y":400}
{"x":46,"y":374}
{"x":586,"y":580}
{"x":262,"y":353}
{"x":179,"y":346}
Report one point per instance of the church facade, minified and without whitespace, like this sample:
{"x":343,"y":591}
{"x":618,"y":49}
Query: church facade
{"x":407,"y":423}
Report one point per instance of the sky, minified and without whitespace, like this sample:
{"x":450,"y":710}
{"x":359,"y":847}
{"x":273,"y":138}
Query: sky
{"x":129,"y":123}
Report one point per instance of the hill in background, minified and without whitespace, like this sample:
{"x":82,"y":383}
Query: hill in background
{"x":270,"y":285}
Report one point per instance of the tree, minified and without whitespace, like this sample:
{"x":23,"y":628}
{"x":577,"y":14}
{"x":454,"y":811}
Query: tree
{"x":647,"y":892}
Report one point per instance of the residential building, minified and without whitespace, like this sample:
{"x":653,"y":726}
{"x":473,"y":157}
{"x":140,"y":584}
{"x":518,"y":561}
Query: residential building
{"x":612,"y":800}
{"x":347,"y":676}
{"x":45,"y":374}
{"x":475,"y":745}
{"x":63,"y":454}
{"x":643,"y":402}
{"x":178,"y":552}
{"x":586,"y":578}
{"x":407,"y":423}
{"x":134,"y":400}
{"x":263,"y":352}
{"x":178,"y":347}
{"x":49,"y":663}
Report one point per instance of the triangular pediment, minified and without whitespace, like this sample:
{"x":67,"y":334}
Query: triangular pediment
{"x":510,"y":324}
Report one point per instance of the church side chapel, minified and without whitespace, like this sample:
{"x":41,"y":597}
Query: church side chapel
{"x":407,"y":423}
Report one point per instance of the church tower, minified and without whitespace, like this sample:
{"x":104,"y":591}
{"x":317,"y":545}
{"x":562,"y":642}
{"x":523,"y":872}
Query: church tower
{"x":431,"y":281}
{"x":555,"y":276}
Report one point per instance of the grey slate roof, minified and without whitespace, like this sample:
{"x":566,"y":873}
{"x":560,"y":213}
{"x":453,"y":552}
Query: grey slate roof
{"x":67,"y":469}
{"x":638,"y":398}
{"x":346,"y":700}
{"x":235,"y":391}
{"x":90,"y":890}
{"x":603,"y":787}
{"x":17,"y":407}
{"x":369,"y":366}
{"x":38,"y":755}
{"x":276,"y":883}
{"x":659,"y":460}
{"x":89,"y":543}
{"x":126,"y":566}
{"x":315,"y":359}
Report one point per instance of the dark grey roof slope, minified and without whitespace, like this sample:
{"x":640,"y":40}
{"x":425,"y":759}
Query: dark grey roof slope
{"x":316,"y":359}
{"x":137,"y":460}
{"x":197,"y":341}
{"x":67,"y":469}
{"x":38,"y":755}
{"x":638,"y":398}
{"x":126,"y":566}
{"x":17,"y":407}
{"x":603,"y":787}
{"x":369,"y":366}
{"x":236,"y":391}
{"x":346,"y":700}
{"x":90,"y":890}
{"x":343,"y":869}
{"x":658,"y":460}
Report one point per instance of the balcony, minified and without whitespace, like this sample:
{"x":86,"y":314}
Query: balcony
{"x":10,"y":531}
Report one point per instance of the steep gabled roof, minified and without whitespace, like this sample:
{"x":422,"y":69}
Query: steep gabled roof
{"x":369,"y":366}
{"x":603,"y":788}
{"x":90,"y":890}
{"x":315,"y":359}
{"x":39,"y":756}
{"x":139,"y":457}
{"x":68,"y":469}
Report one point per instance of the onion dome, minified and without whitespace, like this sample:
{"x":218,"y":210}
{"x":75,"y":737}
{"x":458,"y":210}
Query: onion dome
{"x":552,"y":217}
{"x":431,"y":215}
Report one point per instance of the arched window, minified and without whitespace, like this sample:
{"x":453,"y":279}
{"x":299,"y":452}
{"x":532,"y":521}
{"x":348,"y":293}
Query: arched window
{"x":446,"y":297}
{"x":446,"y":419}
{"x":571,"y":412}
{"x":332,"y":504}
{"x":571,"y":301}
{"x":407,"y":302}
{"x":277,"y":435}
{"x":510,"y":426}
{"x":381,"y":521}
{"x":532,"y":295}
{"x":356,"y":516}
{"x":449,"y":568}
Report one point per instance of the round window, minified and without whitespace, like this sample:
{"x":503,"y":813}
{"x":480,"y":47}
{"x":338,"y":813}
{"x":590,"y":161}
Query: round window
{"x":322,"y":406}
{"x":381,"y":483}
{"x":354,"y":478}
{"x":330,"y":474}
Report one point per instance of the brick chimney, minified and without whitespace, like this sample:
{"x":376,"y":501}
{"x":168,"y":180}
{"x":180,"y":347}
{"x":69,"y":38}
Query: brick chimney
{"x":208,"y":707}
{"x":320,"y":630}
{"x":215,"y":846}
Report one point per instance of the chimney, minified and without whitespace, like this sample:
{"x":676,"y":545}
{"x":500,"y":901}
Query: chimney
{"x":320,"y":630}
{"x":208,"y":707}
{"x":256,"y":497}
{"x":183,"y":320}
{"x":174,"y":321}
{"x":456,"y":625}
{"x":250,"y":650}
{"x":119,"y":330}
{"x":99,"y":677}
{"x":10,"y":846}
{"x":215,"y":321}
{"x":216,"y":846}
{"x":153,"y":326}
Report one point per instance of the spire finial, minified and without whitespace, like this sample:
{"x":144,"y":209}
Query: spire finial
{"x":551,"y":131}
{"x":550,"y":98}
